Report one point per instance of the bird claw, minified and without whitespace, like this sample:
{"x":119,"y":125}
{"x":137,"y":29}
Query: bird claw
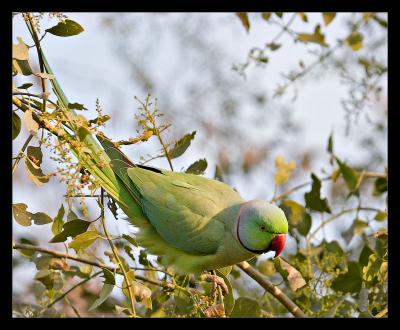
{"x":216,"y":281}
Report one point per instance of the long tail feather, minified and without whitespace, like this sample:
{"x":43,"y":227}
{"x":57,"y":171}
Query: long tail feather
{"x":99,"y":161}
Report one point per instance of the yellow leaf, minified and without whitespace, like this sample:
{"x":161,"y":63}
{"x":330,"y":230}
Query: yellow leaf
{"x":284,"y":169}
{"x":328,"y":17}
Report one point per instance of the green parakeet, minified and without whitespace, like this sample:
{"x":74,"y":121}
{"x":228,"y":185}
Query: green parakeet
{"x":192,"y":222}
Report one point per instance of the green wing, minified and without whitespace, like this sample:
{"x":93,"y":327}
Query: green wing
{"x":183,"y":207}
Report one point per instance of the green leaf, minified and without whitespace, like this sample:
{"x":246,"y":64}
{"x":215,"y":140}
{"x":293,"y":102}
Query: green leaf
{"x":58,"y":222}
{"x":229,"y":300}
{"x":349,"y":282}
{"x":197,"y":167}
{"x":380,"y":21}
{"x":66,"y":29}
{"x":21,"y":67}
{"x":349,"y":175}
{"x":297,"y":216}
{"x":16,"y":125}
{"x":267,"y":267}
{"x":380,"y":216}
{"x":246,"y":307}
{"x":181,"y":145}
{"x":24,"y":252}
{"x":364,"y":255}
{"x":31,"y":125}
{"x":130,"y":239}
{"x":329,"y":148}
{"x":313,"y":198}
{"x":104,"y":294}
{"x":25,"y":86}
{"x":71,"y":228}
{"x":23,"y":217}
{"x":112,"y":206}
{"x":20,"y":51}
{"x":84,"y":240}
{"x":355,"y":40}
{"x":328,"y":17}
{"x":183,"y":301}
{"x":109,"y":277}
{"x":317,"y":37}
{"x":245,"y":20}
{"x":273,"y":46}
{"x":51,"y":279}
{"x":143,"y":259}
{"x":380,"y":186}
{"x":41,"y":218}
{"x":381,"y":246}
{"x":76,"y":106}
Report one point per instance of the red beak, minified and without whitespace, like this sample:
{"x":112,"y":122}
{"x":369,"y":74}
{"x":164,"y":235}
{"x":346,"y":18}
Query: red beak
{"x":278,"y":243}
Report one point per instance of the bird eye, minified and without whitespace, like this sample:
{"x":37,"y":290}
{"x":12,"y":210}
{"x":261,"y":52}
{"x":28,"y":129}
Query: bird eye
{"x":262,"y":227}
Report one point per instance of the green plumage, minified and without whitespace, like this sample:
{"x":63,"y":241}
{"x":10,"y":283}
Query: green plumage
{"x":190,"y":221}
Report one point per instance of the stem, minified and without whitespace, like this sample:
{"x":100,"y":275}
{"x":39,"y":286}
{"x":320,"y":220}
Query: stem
{"x":272,"y":289}
{"x":39,"y":53}
{"x":116,"y":255}
{"x":156,"y":129}
{"x":35,"y":95}
{"x":21,"y":153}
{"x":372,"y":175}
{"x":334,"y":217}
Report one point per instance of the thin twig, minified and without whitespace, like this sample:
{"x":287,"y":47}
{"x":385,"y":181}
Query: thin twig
{"x":371,"y":175}
{"x":334,"y":217}
{"x":71,"y":289}
{"x":21,"y":153}
{"x":116,"y":255}
{"x":272,"y":289}
{"x":58,"y":254}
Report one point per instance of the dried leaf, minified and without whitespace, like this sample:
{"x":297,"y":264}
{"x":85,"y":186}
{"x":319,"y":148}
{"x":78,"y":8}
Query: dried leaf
{"x":245,"y":20}
{"x":328,"y":17}
{"x":291,"y":274}
{"x":217,"y":310}
{"x":31,"y":125}
{"x":20,"y":51}
{"x":23,"y":217}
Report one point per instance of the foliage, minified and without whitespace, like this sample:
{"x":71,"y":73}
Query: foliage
{"x":324,"y":278}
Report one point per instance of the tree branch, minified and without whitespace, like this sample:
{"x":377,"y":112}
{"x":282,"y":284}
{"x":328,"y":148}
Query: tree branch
{"x":272,"y":289}
{"x":58,"y":254}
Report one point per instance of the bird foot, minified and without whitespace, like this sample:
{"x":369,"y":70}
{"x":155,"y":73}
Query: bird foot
{"x":216,"y":281}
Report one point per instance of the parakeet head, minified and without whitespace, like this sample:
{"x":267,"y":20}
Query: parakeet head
{"x":261,"y":227}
